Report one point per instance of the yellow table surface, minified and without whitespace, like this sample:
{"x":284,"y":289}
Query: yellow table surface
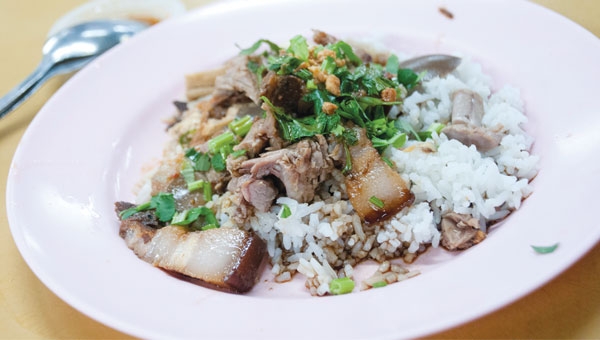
{"x":566,"y":307}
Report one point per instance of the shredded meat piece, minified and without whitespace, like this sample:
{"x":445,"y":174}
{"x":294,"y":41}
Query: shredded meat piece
{"x":460,"y":231}
{"x":467,"y":114}
{"x":260,"y":193}
{"x":300,"y":167}
{"x":200,"y":84}
{"x":262,"y":134}
{"x":322,"y":38}
{"x":237,"y":84}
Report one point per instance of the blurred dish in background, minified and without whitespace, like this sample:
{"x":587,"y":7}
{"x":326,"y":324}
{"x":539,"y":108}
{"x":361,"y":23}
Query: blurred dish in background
{"x":149,"y":11}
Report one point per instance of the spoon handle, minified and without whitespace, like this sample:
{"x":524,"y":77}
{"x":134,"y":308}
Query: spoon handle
{"x":22,"y":91}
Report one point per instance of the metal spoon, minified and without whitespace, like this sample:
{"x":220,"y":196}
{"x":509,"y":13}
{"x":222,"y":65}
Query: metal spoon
{"x":70,"y":50}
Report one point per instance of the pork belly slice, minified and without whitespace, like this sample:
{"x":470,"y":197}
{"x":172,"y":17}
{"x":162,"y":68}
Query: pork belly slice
{"x":371,"y":177}
{"x":227,"y":258}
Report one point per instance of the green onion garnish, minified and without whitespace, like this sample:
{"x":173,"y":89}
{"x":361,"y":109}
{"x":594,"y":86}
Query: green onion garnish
{"x":215,"y":144}
{"x":241,"y":126}
{"x":195,"y":185}
{"x":207,"y":192}
{"x":376,"y":202}
{"x":285,"y":211}
{"x":379,"y":284}
{"x":342,"y":285}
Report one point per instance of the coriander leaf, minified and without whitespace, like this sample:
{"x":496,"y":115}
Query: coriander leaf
{"x":393,"y":64}
{"x":405,"y":127}
{"x":274,"y":47}
{"x":343,"y":50}
{"x":544,"y":249}
{"x":202,"y":163}
{"x":408,"y":78}
{"x":317,"y":98}
{"x":299,"y":47}
{"x":192,"y":215}
{"x":291,"y":129}
{"x":164,"y":205}
{"x":218,"y":163}
{"x":328,"y":65}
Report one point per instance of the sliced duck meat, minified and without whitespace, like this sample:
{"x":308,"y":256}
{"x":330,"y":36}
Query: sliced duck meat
{"x":237,"y":84}
{"x":260,"y":193}
{"x":467,"y":114}
{"x":300,"y":168}
{"x":201,"y":84}
{"x":262,"y":134}
{"x":460,"y":231}
{"x":375,"y":190}
{"x":322,"y":38}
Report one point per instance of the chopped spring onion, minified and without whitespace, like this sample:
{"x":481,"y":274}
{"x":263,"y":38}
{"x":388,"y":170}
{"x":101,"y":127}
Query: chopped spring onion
{"x":241,"y":126}
{"x":376,"y":202}
{"x":207,"y":192}
{"x":187,"y":171}
{"x":217,"y":143}
{"x":196,"y":185}
{"x":285,"y":211}
{"x":436,"y":127}
{"x":342,"y":285}
{"x":379,"y":284}
{"x":545,"y":250}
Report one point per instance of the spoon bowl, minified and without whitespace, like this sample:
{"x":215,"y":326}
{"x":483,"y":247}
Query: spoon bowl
{"x":69,"y":50}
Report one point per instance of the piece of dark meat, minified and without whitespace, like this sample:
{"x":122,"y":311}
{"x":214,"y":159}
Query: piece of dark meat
{"x":300,"y":168}
{"x":460,"y":231}
{"x":467,"y":114}
{"x":322,"y":38}
{"x":286,"y":92}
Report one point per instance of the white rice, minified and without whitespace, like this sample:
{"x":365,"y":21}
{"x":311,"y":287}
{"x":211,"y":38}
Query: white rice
{"x":329,"y":234}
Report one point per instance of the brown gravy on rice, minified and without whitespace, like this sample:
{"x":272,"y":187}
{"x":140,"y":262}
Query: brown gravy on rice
{"x":321,"y":156}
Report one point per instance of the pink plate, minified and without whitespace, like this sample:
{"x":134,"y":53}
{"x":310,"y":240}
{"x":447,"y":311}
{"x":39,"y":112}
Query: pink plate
{"x":87,"y":146}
